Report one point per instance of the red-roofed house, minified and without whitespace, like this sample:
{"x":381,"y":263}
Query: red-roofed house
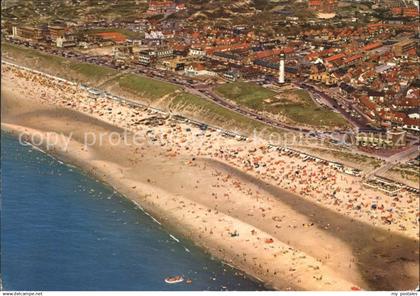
{"x":353,"y":58}
{"x":412,"y":124}
{"x":273,"y":52}
{"x":315,"y":55}
{"x":369,"y":106}
{"x":334,"y":57}
{"x":322,"y":5}
{"x":112,"y":36}
{"x":372,"y":46}
{"x":223,"y":48}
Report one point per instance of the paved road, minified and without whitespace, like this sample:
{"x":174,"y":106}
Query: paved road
{"x":207,"y":93}
{"x":395,"y":159}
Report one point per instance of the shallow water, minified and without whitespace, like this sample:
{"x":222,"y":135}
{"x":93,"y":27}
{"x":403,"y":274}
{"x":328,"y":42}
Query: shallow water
{"x":62,"y":230}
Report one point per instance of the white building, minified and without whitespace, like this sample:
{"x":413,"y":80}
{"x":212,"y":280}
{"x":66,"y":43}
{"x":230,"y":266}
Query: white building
{"x":197,"y":52}
{"x":281,"y":69}
{"x":64,"y":42}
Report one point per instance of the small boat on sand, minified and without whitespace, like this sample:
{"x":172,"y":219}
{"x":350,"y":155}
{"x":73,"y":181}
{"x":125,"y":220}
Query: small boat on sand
{"x":174,"y":279}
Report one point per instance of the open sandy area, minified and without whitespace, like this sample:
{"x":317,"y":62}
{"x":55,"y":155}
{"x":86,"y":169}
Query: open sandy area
{"x":293,"y":224}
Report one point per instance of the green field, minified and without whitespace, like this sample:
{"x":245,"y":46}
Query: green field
{"x":217,"y":115}
{"x":30,"y":54}
{"x":92,"y":71}
{"x":146,"y":87}
{"x":295,"y":104}
{"x":248,"y":94}
{"x":142,"y":87}
{"x":183,"y":102}
{"x":306,"y":111}
{"x":54,"y":65}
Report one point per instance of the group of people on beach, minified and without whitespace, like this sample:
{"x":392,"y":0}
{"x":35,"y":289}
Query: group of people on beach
{"x":311,"y":180}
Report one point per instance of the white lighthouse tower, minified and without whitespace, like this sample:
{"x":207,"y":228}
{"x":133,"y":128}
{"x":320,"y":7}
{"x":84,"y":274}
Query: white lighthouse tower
{"x":281,"y":69}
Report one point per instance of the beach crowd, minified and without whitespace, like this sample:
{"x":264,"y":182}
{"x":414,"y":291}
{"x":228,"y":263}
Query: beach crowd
{"x":308,"y":179}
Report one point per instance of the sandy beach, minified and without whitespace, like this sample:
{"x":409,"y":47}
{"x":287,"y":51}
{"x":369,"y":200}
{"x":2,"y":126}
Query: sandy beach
{"x":293,"y":224}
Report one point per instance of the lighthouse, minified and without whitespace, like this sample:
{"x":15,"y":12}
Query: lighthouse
{"x":281,"y":69}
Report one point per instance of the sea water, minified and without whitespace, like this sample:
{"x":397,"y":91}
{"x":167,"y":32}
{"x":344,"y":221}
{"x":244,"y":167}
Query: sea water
{"x":63,"y":230}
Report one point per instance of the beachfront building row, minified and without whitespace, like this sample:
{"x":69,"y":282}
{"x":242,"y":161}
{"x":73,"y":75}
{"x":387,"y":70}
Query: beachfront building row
{"x":391,"y":138}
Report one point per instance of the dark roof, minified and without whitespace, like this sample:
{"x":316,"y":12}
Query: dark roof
{"x":375,"y":93}
{"x":228,"y":55}
{"x":266,"y":64}
{"x":416,"y":83}
{"x":348,"y":88}
{"x":291,"y":70}
{"x":272,"y":65}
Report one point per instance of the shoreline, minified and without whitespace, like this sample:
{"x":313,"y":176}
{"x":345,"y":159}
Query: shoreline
{"x":139,"y":180}
{"x":13,"y":131}
{"x":166,"y":228}
{"x":185,"y":251}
